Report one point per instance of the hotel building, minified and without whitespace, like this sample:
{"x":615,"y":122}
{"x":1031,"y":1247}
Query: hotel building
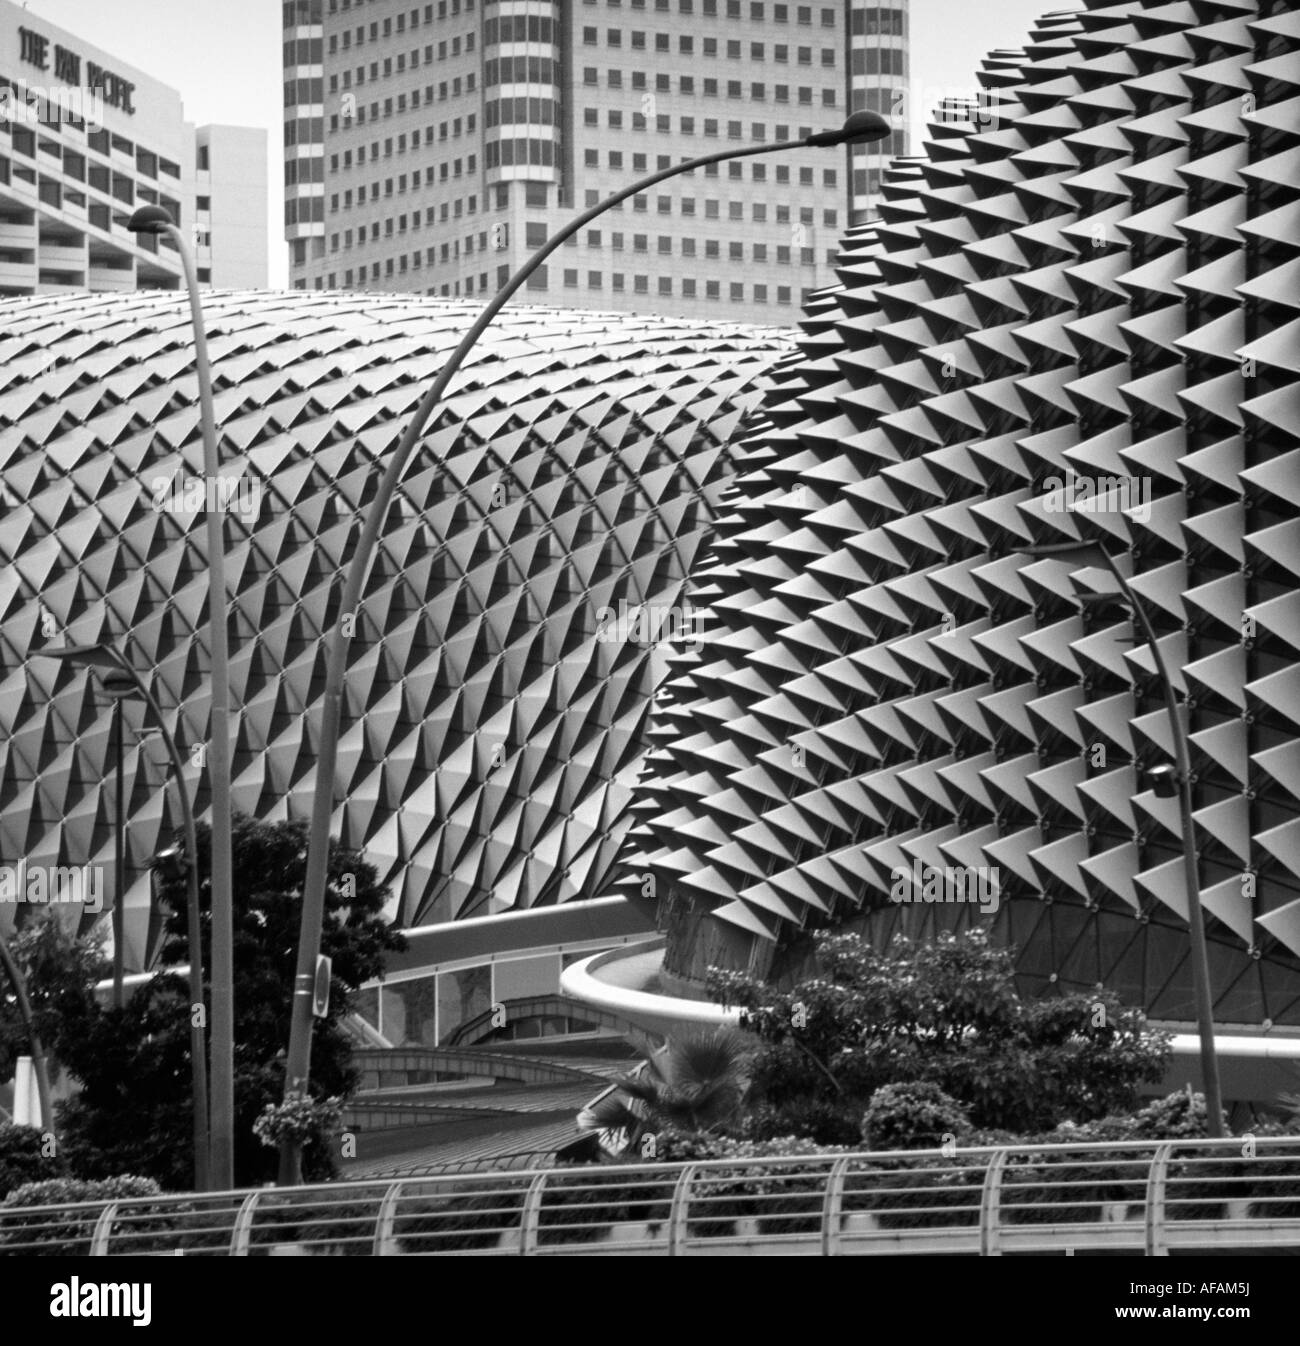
{"x":86,"y":139}
{"x":431,"y":148}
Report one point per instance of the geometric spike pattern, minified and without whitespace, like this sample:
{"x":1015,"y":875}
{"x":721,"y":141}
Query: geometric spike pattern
{"x":1099,"y":292}
{"x":490,"y":739}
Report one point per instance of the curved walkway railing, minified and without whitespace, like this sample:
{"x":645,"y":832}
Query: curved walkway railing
{"x":1157,"y":1197}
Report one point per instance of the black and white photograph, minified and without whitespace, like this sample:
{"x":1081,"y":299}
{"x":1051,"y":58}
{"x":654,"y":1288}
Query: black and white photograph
{"x":649,"y":628}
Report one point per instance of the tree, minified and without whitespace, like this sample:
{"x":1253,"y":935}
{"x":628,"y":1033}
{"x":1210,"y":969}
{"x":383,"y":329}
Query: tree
{"x":133,"y":1112}
{"x":60,"y":971}
{"x":697,"y":1083}
{"x":946,"y":1013}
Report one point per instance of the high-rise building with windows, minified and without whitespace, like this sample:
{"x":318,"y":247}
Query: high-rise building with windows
{"x":432,"y":147}
{"x":85,"y":139}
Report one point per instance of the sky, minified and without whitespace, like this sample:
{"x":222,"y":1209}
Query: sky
{"x":224,"y":58}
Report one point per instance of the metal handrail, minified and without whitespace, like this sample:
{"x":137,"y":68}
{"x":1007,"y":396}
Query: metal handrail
{"x":1164,"y":1197}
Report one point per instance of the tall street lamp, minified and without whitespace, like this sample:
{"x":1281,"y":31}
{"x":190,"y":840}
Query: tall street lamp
{"x":115,"y":671}
{"x":119,"y":687}
{"x":859,"y":127}
{"x":1082,"y":554}
{"x":155,"y":220}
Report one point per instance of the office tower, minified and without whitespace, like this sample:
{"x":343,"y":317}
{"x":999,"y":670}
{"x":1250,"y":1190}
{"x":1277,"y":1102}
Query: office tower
{"x":431,"y":148}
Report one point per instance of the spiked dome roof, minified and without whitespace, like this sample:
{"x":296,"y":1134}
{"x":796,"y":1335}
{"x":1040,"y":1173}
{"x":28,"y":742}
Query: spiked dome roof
{"x":490,"y":738}
{"x":1093,"y":301}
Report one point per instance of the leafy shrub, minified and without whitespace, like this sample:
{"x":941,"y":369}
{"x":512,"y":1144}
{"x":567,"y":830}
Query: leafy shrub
{"x":818,"y":1120}
{"x":944,"y":1011}
{"x":1177,"y":1116}
{"x":22,"y":1160}
{"x":67,"y":1231}
{"x":912,"y":1116}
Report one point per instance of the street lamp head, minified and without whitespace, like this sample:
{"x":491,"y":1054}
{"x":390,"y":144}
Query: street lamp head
{"x":108,"y":662}
{"x":171,"y":864}
{"x":84,"y":656}
{"x":1077,"y":553}
{"x":1163,"y":780}
{"x":150,"y":220}
{"x":858,"y":129}
{"x":118,"y":684}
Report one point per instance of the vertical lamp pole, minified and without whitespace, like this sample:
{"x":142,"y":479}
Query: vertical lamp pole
{"x":1094,"y":554}
{"x":860,"y":126}
{"x":155,"y":220}
{"x":119,"y":853}
{"x":116,"y":672}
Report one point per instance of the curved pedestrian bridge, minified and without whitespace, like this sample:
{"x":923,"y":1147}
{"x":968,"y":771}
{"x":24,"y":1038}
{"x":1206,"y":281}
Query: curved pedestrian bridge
{"x":1158,"y":1198}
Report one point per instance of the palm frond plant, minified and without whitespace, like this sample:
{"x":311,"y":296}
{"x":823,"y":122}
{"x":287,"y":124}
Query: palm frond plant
{"x":696,"y":1082}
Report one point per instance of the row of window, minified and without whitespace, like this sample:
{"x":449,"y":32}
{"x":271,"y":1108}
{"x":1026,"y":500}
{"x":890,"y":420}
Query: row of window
{"x":733,"y":10}
{"x":392,"y":26}
{"x":536,"y":234}
{"x":615,"y":159}
{"x":871,"y":21}
{"x":665,"y":245}
{"x":879,"y":61}
{"x":443,"y":172}
{"x":709,"y":87}
{"x":499,"y":235}
{"x":521,"y":70}
{"x":518,"y":28}
{"x":868,"y":20}
{"x":147,"y":163}
{"x":511,"y":153}
{"x":514,"y":152}
{"x":666,"y":286}
{"x":103,"y":177}
{"x":709,"y":46}
{"x":688,"y":287}
{"x":354,"y":114}
{"x":397,"y":65}
{"x":391,"y":267}
{"x":709,"y":127}
{"x":538,"y":111}
{"x":468,"y":125}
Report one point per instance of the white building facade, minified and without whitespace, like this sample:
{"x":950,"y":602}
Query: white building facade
{"x":85,"y":140}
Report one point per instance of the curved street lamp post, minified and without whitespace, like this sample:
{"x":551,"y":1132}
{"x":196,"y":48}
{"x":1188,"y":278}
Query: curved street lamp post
{"x":1094,"y":554}
{"x":156,"y":220}
{"x":859,"y":127}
